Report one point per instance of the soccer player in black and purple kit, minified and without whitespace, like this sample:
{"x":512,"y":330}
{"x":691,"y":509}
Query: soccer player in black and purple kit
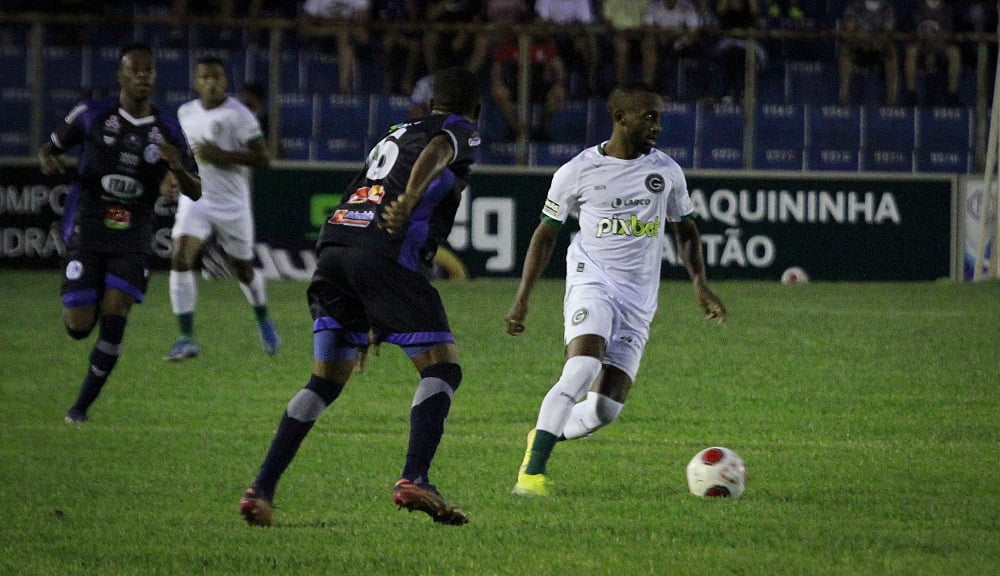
{"x":127,"y":148}
{"x":369,"y":278}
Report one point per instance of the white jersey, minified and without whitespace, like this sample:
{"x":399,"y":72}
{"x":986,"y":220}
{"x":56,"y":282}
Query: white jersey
{"x":230,"y":126}
{"x":623,"y":207}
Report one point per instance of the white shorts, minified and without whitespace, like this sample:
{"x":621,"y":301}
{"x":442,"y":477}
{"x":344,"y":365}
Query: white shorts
{"x":591,"y":309}
{"x":234,"y":232}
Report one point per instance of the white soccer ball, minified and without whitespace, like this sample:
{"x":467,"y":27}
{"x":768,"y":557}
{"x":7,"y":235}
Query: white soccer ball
{"x":717,"y":472}
{"x":794,"y":275}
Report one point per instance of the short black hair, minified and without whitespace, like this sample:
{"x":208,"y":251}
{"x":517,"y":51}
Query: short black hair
{"x":211,"y":59}
{"x":626,"y":90}
{"x":135,"y":47}
{"x":456,"y":90}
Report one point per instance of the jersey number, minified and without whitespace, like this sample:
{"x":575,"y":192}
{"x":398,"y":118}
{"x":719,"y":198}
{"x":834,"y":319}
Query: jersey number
{"x":383,"y":156}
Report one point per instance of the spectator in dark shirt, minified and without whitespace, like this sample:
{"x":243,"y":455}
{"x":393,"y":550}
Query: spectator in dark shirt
{"x":868,"y":24}
{"x":932,"y":20}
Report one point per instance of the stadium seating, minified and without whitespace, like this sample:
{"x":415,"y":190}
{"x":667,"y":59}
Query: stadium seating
{"x":569,"y":124}
{"x":58,"y":103}
{"x":944,"y":140}
{"x":679,"y":132}
{"x":833,"y":137}
{"x":64,"y":67}
{"x":552,"y":153}
{"x":15,"y":122}
{"x":888,"y":138}
{"x":386,"y":111}
{"x":339,"y":150}
{"x":173,"y":68}
{"x":298,"y":116}
{"x":719,"y":143}
{"x":811,"y":82}
{"x":13,"y":66}
{"x":779,"y":137}
{"x":345,"y":116}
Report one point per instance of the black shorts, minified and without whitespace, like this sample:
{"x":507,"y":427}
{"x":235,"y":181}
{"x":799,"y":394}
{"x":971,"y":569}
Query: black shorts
{"x":88,"y":274}
{"x":358,"y":290}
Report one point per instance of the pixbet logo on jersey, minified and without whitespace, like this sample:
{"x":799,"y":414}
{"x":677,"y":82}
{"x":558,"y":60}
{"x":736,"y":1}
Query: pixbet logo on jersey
{"x":631,"y":227}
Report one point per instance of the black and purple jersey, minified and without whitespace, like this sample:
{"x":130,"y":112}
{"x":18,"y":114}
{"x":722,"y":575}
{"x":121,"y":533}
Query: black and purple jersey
{"x":355,"y":221}
{"x":110,"y":206}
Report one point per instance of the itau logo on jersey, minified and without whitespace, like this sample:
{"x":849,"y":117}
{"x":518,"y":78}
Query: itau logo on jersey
{"x":655,"y":183}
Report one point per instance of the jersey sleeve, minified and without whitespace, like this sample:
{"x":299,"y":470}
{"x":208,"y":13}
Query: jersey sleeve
{"x":563,"y":196}
{"x":464,"y":137}
{"x":248,"y":127}
{"x":72,"y":130}
{"x":679,"y":203}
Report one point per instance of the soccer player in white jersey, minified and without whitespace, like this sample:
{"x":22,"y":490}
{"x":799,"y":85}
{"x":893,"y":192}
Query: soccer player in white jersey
{"x":622,"y":192}
{"x":227,"y":140}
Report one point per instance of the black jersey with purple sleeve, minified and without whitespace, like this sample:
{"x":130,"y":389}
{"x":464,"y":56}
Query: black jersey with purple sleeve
{"x":387,"y":170}
{"x":111,"y":205}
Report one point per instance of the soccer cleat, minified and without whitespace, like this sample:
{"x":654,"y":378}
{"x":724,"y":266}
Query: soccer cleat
{"x":268,"y":337}
{"x":531,"y":485}
{"x":255,"y":510}
{"x":182,"y":349}
{"x":75,"y":416}
{"x":426,"y":498}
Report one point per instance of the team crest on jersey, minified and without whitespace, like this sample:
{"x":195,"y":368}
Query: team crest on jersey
{"x":155,"y":135}
{"x":151,"y":154}
{"x":216,"y":127}
{"x":579,"y":316}
{"x":132,"y":141}
{"x":655,"y":183}
{"x":112,"y":124}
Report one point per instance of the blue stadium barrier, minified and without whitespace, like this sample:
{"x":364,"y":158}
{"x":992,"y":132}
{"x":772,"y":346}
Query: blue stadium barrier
{"x":173,"y":68}
{"x":64,"y":67}
{"x":779,"y":137}
{"x":678,"y":136}
{"x":13,"y":66}
{"x":104,"y":62}
{"x":258,"y":69}
{"x":387,"y":110}
{"x":298,"y":116}
{"x":887,"y":160}
{"x":833,"y":159}
{"x":298,"y":148}
{"x":720,"y":137}
{"x":812,"y":82}
{"x":888,"y":128}
{"x":344,"y":116}
{"x":833,"y":127}
{"x":552,"y":153}
{"x":15,"y":122}
{"x":945,"y":161}
{"x":950,"y":129}
{"x":569,"y":124}
{"x":57,"y":104}
{"x":340,"y":150}
{"x":319,"y":71}
{"x":598,"y":121}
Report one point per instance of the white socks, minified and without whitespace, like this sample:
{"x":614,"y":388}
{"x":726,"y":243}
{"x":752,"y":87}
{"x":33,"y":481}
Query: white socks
{"x":593,"y":413}
{"x":578,"y":374}
{"x":255,"y":291}
{"x":183,"y":292}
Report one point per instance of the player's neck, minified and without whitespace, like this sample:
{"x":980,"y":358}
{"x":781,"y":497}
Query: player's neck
{"x":617,"y":149}
{"x":136,"y":107}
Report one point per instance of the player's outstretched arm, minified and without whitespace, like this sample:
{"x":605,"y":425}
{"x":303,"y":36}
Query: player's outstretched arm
{"x":689,"y":246}
{"x":543,"y":242}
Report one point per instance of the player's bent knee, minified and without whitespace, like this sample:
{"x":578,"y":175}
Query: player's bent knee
{"x":77,"y":334}
{"x":579,"y":372}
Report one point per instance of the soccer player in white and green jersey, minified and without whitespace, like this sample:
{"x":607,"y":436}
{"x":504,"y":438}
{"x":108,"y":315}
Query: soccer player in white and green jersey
{"x":227,"y":141}
{"x":623,"y":192}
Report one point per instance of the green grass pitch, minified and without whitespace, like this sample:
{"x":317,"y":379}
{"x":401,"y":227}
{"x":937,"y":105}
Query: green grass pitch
{"x":868,"y":415}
